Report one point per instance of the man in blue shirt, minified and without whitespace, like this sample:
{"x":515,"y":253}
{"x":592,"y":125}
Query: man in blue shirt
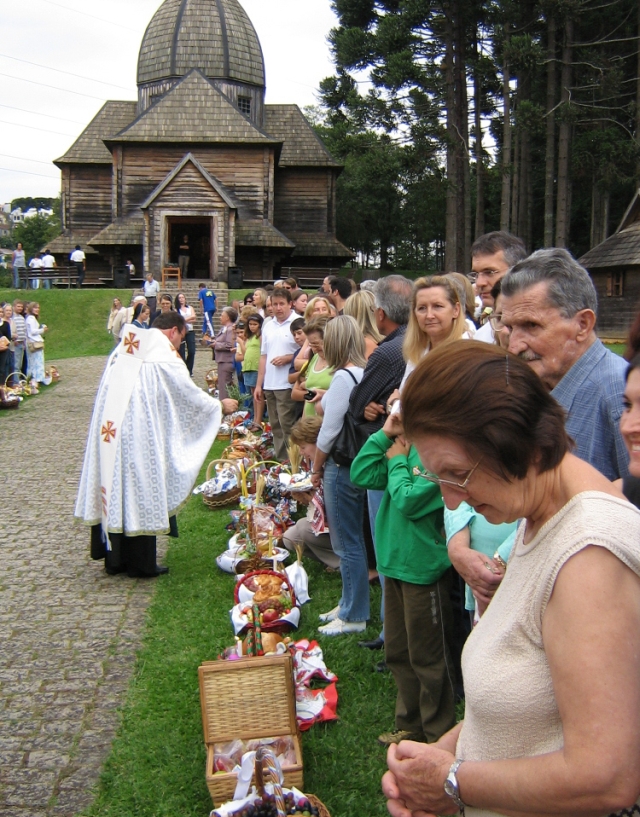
{"x":549,"y":306}
{"x":207,"y":297}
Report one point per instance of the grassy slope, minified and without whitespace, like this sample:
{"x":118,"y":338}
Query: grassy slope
{"x":158,"y":760}
{"x":77,"y":319}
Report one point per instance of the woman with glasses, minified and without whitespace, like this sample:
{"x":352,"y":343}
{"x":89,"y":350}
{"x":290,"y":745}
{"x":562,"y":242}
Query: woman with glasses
{"x":412,"y":556}
{"x":551,"y":670}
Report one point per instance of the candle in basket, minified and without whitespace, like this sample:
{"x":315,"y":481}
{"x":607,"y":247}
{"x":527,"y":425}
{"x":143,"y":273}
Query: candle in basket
{"x":270,"y":554}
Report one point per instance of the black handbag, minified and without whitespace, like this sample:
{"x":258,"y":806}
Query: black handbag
{"x":351,"y":438}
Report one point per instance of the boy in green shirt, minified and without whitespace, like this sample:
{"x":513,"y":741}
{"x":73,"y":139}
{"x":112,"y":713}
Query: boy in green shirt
{"x":412,"y":556}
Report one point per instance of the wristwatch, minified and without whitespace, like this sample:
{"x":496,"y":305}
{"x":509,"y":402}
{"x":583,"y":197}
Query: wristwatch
{"x":451,"y":787}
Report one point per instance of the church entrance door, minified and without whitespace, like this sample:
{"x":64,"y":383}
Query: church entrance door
{"x":199,"y":232}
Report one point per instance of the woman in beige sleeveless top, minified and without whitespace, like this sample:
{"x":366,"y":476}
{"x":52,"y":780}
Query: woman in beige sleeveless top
{"x":552,"y":670}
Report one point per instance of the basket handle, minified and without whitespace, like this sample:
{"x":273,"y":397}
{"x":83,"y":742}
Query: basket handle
{"x":266,"y":761}
{"x":229,"y":463}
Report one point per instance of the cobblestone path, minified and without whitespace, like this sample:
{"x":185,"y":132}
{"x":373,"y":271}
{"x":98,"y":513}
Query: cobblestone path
{"x":68,"y":632}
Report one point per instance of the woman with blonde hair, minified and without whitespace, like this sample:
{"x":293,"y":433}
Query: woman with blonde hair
{"x":362,"y":306}
{"x":320,"y":305}
{"x":344,"y":502}
{"x":467,"y":298}
{"x":260,"y":301}
{"x":436,"y":317}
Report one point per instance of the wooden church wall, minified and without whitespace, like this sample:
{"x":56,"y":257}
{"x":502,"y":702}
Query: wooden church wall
{"x":301,"y":200}
{"x":189,"y":194}
{"x":616,"y":312}
{"x":239,"y":169}
{"x":86,"y":193}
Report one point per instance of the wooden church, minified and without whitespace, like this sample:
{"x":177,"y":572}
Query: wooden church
{"x":614,"y":266}
{"x":200,"y":154}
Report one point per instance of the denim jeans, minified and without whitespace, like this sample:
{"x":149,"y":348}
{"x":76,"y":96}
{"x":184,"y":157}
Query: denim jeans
{"x":344,"y":504}
{"x":374,"y":500}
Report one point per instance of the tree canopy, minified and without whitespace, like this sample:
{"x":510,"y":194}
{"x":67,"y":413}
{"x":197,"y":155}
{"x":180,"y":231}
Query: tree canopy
{"x":454,"y":118}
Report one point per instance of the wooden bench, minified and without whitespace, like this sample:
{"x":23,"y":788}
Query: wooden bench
{"x":58,"y":276}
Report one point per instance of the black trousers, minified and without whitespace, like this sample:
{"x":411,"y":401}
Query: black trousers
{"x":134,"y":555}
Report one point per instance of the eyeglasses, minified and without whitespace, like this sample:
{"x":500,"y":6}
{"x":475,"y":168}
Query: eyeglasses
{"x":496,"y":323}
{"x":488,"y":272}
{"x":461,"y":486}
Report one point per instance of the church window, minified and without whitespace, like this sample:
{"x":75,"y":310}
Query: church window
{"x":615,"y":284}
{"x":244,"y":105}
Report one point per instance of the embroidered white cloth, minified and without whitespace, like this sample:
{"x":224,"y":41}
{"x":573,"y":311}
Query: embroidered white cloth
{"x":150,"y":432}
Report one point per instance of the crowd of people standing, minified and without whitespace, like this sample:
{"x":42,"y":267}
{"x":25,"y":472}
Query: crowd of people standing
{"x":482,"y":432}
{"x":22,"y":341}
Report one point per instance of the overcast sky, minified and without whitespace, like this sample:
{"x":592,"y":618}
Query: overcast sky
{"x":61,"y":59}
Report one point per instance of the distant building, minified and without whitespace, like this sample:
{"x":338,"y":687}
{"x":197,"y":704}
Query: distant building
{"x":614,"y":266}
{"x":200,"y":154}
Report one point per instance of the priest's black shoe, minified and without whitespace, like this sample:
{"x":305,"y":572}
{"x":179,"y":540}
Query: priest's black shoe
{"x":138,"y":574}
{"x":374,"y":644}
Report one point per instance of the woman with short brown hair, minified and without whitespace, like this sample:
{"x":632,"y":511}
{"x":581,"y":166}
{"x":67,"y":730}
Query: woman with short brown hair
{"x":561,"y":637}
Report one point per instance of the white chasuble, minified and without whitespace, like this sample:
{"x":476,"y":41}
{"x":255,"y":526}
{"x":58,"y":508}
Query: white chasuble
{"x":150,"y":432}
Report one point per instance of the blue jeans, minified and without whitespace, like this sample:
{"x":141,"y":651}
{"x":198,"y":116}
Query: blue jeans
{"x":344,"y":503}
{"x":374,"y":499}
{"x":16,"y":277}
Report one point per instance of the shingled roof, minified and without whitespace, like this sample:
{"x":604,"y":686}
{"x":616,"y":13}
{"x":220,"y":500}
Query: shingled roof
{"x":215,"y":36}
{"x":258,"y":234}
{"x":123,"y":232}
{"x":66,"y":242}
{"x":622,"y":249}
{"x":193,"y":111}
{"x":310,"y":244}
{"x":302,"y":146}
{"x":89,"y":147}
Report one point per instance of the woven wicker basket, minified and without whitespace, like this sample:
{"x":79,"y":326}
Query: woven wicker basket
{"x":266,"y":762}
{"x":227,"y":497}
{"x":246,"y":699}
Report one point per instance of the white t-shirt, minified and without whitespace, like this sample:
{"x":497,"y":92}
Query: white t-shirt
{"x":277,"y":340}
{"x":77,"y":256}
{"x":48,"y":261}
{"x":35,"y":263}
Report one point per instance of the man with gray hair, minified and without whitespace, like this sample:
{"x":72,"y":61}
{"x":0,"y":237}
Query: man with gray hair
{"x":386,"y":365}
{"x":549,"y":306}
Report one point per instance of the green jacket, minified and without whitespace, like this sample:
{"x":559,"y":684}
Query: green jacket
{"x":410,"y":541}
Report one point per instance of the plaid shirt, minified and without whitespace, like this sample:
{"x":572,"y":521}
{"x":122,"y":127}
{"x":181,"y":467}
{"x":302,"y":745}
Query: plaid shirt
{"x":382,"y":376}
{"x":591,"y":394}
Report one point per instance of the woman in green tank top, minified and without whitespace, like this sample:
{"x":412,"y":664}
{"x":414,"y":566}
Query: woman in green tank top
{"x":317,"y":374}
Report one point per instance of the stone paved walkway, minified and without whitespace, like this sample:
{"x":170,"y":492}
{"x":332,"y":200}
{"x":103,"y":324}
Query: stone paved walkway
{"x":68,"y":632}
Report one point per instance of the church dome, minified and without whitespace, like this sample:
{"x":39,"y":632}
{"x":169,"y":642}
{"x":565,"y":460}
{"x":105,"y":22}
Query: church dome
{"x":214,"y":36}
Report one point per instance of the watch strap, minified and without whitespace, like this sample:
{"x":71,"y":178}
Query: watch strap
{"x":451,"y":786}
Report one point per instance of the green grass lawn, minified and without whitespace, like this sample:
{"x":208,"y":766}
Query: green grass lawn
{"x":77,"y":319}
{"x":157,"y":765}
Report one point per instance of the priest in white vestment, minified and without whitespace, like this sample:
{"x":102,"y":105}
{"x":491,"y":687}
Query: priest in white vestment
{"x":151,"y":430}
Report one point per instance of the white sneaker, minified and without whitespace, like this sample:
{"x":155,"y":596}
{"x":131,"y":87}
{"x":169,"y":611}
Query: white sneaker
{"x":332,"y":615}
{"x":340,"y":627}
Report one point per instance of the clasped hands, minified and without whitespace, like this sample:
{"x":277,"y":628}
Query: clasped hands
{"x":414,"y":784}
